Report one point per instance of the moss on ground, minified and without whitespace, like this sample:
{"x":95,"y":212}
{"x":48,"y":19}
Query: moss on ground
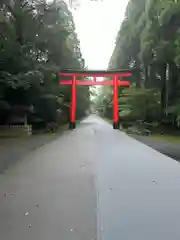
{"x":169,"y":138}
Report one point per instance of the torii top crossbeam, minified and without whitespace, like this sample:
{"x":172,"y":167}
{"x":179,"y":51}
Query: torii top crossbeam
{"x":96,"y":73}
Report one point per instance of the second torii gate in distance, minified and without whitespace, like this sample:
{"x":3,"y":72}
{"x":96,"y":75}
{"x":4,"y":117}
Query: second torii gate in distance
{"x":115,"y":82}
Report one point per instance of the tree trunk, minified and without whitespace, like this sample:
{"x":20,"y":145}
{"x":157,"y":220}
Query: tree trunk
{"x":146,"y":77}
{"x":172,"y":81}
{"x":138,"y":75}
{"x":150,"y":77}
{"x":163,"y":89}
{"x":19,"y":21}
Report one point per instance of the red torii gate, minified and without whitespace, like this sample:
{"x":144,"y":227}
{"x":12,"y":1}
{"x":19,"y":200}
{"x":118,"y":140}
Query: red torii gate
{"x":115,"y":83}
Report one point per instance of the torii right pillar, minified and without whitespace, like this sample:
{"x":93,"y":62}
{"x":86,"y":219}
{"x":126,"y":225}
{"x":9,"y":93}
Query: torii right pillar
{"x":117,"y":83}
{"x":115,"y":102}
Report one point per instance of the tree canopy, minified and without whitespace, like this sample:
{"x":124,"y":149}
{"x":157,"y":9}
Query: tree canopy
{"x":149,"y":40}
{"x":38,"y":39}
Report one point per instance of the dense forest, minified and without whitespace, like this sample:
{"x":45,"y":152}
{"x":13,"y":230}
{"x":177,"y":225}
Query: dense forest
{"x":38,"y":39}
{"x":148,"y":41}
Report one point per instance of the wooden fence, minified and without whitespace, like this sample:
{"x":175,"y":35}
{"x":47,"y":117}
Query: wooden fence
{"x":15,"y":130}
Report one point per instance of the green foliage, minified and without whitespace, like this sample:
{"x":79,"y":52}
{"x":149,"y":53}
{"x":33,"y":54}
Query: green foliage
{"x":139,"y":104}
{"x":148,"y":39}
{"x":174,"y":110}
{"x":134,"y":104}
{"x":38,"y":39}
{"x":4,"y":105}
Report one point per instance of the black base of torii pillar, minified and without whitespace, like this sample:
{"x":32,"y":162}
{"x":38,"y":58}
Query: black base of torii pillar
{"x":115,"y":125}
{"x":72,"y":125}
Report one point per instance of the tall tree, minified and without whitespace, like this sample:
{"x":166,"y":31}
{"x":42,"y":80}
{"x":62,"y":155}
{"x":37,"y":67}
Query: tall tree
{"x":38,"y":39}
{"x":148,"y":39}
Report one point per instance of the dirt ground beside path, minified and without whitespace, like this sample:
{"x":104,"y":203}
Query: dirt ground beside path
{"x":12,"y":150}
{"x":167,"y":148}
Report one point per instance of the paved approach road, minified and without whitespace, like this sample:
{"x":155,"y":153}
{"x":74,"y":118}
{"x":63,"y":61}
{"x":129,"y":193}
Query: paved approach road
{"x":91,"y":183}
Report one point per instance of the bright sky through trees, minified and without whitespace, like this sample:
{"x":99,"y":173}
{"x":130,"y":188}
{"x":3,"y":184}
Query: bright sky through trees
{"x":97,"y":24}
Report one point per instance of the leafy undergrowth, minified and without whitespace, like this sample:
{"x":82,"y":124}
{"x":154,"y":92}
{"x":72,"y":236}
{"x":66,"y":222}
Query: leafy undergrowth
{"x":170,"y":137}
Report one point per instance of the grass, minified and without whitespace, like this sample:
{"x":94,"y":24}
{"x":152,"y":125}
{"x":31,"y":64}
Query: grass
{"x":163,"y":137}
{"x":169,"y":138}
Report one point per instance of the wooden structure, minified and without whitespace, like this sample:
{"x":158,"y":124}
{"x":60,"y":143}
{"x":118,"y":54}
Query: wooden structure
{"x":115,"y":82}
